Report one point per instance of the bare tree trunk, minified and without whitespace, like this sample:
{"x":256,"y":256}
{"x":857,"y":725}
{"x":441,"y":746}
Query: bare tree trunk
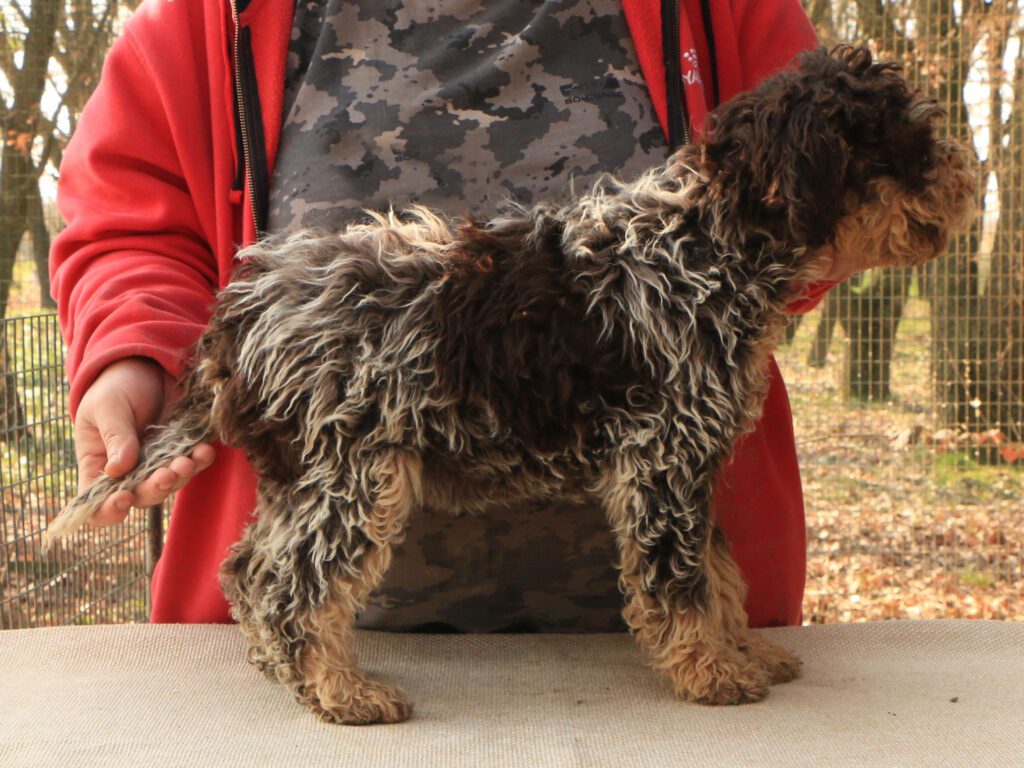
{"x":837,"y":307}
{"x":13,"y":424}
{"x":1001,"y":375}
{"x":40,"y":233}
{"x":18,"y":174}
{"x":18,"y":181}
{"x":874,"y":317}
{"x":820,"y":12}
{"x":41,"y":249}
{"x":13,"y":218}
{"x":793,"y":323}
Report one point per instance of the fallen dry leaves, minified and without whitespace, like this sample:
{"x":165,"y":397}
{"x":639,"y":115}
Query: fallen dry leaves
{"x":905,"y":519}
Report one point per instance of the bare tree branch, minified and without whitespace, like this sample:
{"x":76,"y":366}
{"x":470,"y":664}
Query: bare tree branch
{"x":880,"y":26}
{"x":48,"y":129}
{"x":821,"y":14}
{"x":7,"y":65}
{"x":89,"y":45}
{"x":25,"y":18}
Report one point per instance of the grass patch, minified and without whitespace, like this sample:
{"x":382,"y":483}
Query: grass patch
{"x":974,"y":578}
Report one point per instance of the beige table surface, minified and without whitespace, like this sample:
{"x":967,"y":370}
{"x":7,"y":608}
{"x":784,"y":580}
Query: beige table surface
{"x":944,"y":693}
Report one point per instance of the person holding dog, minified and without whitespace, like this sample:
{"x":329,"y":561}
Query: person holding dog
{"x":215,"y":123}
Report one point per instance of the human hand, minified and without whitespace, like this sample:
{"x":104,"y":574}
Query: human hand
{"x":126,"y":398}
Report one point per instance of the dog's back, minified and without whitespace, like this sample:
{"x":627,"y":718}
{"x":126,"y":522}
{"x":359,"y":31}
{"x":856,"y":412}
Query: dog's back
{"x":385,"y":334}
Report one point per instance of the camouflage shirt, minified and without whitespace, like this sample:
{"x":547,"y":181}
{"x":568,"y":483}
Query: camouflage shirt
{"x":456,"y":104}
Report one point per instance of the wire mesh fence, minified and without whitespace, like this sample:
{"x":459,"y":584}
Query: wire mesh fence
{"x":907,"y":385}
{"x":51,"y":53}
{"x":97,"y":576}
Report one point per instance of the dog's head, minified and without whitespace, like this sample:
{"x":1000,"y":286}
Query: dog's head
{"x":840,"y":151}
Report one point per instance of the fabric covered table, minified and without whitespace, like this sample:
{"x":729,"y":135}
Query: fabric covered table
{"x":944,"y":693}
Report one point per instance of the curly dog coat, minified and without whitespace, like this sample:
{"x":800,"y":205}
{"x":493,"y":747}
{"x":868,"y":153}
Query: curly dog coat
{"x":617,"y":343}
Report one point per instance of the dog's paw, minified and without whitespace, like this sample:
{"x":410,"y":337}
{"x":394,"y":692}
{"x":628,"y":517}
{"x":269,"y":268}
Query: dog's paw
{"x":781,"y":665}
{"x":720,"y":678}
{"x":358,"y":701}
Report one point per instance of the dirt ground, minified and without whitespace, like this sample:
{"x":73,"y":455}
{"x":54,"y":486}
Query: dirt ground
{"x":902,"y":521}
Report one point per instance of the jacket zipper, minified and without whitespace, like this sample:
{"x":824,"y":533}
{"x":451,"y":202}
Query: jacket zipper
{"x":250,"y":125}
{"x":678,"y":115}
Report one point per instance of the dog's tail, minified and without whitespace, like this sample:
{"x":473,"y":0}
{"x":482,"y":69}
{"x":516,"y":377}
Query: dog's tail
{"x":189,"y":425}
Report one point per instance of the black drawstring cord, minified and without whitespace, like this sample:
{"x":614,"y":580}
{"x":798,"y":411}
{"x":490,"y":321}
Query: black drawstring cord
{"x":709,"y":35}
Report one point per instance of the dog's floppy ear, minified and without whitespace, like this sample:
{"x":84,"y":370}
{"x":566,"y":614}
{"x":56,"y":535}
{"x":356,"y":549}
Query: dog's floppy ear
{"x":801,"y":168}
{"x":780,"y":156}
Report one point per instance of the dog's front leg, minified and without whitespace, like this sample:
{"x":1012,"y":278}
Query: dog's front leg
{"x":684,"y":593}
{"x":302,"y":572}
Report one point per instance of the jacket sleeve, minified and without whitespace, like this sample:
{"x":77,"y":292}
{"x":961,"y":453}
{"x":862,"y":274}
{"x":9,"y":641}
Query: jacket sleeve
{"x":132,"y":273}
{"x":769,"y":34}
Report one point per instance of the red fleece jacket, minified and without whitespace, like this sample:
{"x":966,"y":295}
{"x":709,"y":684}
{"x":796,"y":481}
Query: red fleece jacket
{"x":153,"y":226}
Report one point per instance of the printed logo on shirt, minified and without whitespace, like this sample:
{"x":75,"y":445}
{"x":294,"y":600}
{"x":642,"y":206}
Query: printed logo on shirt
{"x":691,"y":69}
{"x":607,"y":89}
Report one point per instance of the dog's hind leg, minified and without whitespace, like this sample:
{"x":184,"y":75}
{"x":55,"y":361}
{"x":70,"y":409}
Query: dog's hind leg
{"x":303,"y":571}
{"x":684,"y":595}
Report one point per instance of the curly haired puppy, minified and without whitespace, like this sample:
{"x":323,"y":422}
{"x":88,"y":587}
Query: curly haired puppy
{"x":617,"y":343}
